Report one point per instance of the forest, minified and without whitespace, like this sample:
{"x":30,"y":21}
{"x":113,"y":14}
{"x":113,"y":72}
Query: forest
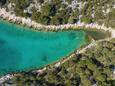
{"x":92,"y":68}
{"x":64,"y":11}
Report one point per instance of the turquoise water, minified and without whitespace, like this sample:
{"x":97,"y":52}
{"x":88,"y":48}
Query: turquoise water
{"x":23,"y":50}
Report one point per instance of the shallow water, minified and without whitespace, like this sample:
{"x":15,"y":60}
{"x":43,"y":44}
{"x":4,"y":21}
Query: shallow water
{"x":22,"y":50}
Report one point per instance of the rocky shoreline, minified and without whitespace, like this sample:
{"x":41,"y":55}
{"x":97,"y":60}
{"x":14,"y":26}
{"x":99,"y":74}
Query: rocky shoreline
{"x":28,"y":22}
{"x":57,"y":64}
{"x":36,"y":26}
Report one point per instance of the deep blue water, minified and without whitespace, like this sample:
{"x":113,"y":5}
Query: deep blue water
{"x":22,"y":49}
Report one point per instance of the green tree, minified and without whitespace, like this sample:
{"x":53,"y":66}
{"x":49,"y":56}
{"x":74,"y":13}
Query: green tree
{"x":55,"y":20}
{"x":46,"y":9}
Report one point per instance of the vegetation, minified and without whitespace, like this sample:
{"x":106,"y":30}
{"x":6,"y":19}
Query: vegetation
{"x":2,"y":2}
{"x":60,"y":12}
{"x":94,"y":67}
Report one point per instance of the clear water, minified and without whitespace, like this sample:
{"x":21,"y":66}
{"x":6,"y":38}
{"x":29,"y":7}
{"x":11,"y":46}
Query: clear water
{"x":23,"y":50}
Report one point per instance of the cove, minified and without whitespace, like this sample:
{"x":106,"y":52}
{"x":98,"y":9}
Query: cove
{"x":22,"y":49}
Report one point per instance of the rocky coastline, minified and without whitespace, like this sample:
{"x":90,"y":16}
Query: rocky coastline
{"x":28,"y":22}
{"x":36,"y":26}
